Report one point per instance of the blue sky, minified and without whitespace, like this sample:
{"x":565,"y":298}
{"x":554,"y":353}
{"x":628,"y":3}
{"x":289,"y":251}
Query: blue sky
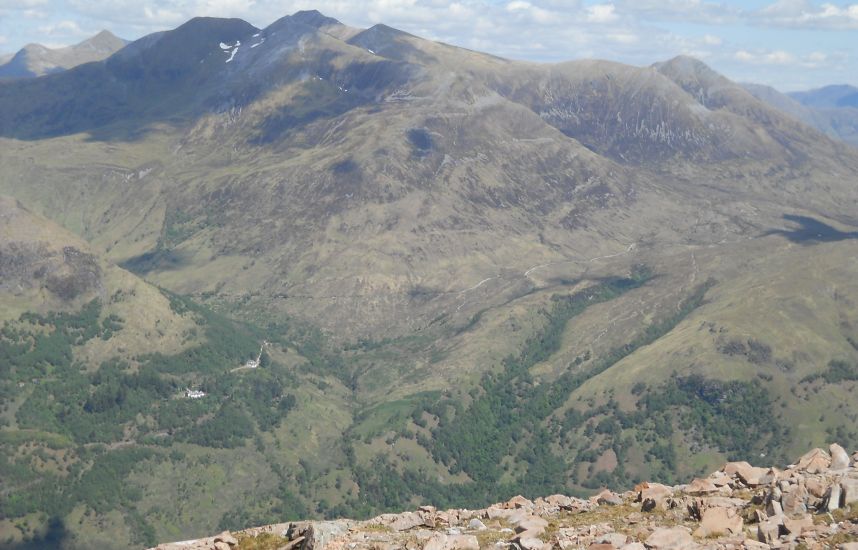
{"x":789,"y":44}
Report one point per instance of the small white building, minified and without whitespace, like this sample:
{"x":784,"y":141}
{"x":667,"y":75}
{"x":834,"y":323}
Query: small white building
{"x":254,"y":363}
{"x":194,"y":394}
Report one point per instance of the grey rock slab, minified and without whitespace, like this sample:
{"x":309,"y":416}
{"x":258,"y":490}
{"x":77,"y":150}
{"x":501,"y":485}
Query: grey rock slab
{"x":850,"y":491}
{"x":833,"y":501}
{"x":839,"y":458}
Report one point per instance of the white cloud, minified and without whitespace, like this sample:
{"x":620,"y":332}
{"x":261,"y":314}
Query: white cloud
{"x":518,"y":5}
{"x":697,"y":11}
{"x":459,"y":10}
{"x":535,"y":13}
{"x":712,"y":40}
{"x":162,"y":16}
{"x":780,"y":13}
{"x":804,"y":14}
{"x":62,"y":28}
{"x":778,"y":57}
{"x":224,"y":8}
{"x":21,"y":4}
{"x":623,"y":37}
{"x":786,"y":8}
{"x":601,"y":13}
{"x":813,"y":60}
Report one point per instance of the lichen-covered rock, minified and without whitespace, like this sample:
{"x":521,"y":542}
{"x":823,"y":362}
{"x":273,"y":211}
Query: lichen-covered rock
{"x":832,"y":499}
{"x":701,"y":487}
{"x":443,"y":541}
{"x":226,"y":537}
{"x":719,"y":521}
{"x":849,"y":488}
{"x":839,"y":458}
{"x":607,"y":497}
{"x":814,"y":461}
{"x":477,"y":525}
{"x":768,"y":531}
{"x":751,"y":476}
{"x":671,"y":538}
{"x":518,"y":502}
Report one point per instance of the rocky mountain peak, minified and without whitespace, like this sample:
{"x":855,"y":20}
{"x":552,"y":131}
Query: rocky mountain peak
{"x":710,"y":88}
{"x":687,"y":65}
{"x":192,"y":52}
{"x":314,"y":18}
{"x":204,"y":30}
{"x":37,"y":60}
{"x":106,"y":41}
{"x":385,"y":41}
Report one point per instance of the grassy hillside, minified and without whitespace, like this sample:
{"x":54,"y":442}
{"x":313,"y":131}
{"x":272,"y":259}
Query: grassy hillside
{"x":120,"y":447}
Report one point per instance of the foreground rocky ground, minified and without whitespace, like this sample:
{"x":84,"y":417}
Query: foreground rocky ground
{"x":812,"y":504}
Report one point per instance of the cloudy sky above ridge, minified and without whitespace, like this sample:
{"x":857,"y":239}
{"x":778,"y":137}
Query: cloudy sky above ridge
{"x":789,"y":44}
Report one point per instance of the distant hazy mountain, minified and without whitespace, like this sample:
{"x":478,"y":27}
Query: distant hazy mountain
{"x":832,"y":110}
{"x":828,"y":97}
{"x":37,"y":60}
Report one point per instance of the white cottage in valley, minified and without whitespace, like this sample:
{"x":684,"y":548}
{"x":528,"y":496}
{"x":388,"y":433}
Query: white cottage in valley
{"x":194,"y":394}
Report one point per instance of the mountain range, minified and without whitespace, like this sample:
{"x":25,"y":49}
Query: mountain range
{"x":464,"y":277}
{"x":37,"y":60}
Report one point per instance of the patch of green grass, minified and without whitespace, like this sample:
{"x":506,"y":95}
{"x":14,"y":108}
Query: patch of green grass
{"x":376,"y":528}
{"x":18,"y":437}
{"x":262,"y":541}
{"x":389,"y":416}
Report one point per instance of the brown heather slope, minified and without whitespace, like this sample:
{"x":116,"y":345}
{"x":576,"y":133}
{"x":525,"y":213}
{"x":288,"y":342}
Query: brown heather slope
{"x":44,"y":268}
{"x":352,"y":183}
{"x":380,"y":194}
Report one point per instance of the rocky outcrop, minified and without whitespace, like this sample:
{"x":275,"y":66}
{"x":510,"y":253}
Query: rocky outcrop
{"x":37,"y":255}
{"x":810,"y":504}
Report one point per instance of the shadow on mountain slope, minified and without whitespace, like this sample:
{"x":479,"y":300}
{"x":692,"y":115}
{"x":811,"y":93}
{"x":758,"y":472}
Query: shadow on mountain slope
{"x":812,"y":231}
{"x":53,"y":537}
{"x":157,"y":260}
